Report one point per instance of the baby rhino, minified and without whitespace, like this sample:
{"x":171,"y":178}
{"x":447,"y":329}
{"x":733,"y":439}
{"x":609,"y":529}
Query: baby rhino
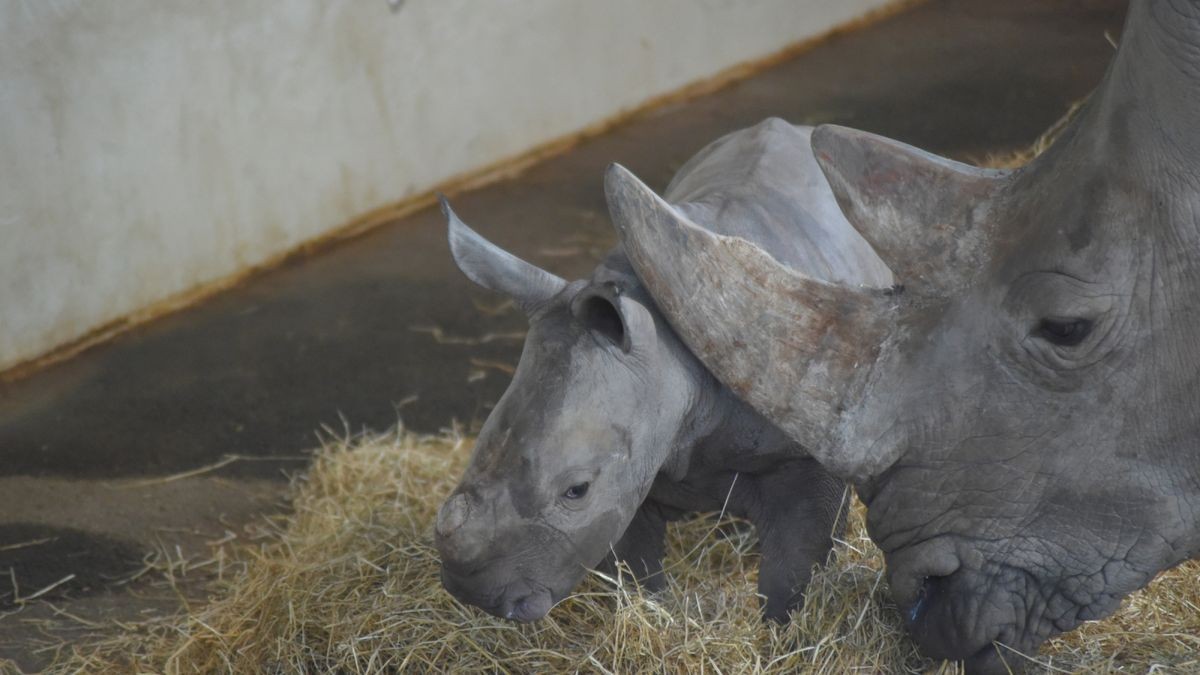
{"x":611,"y":427}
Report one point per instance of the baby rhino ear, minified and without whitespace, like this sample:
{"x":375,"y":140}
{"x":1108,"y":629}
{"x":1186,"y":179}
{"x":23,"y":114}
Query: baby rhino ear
{"x":605,"y":310}
{"x":920,"y":212}
{"x":496,"y":269}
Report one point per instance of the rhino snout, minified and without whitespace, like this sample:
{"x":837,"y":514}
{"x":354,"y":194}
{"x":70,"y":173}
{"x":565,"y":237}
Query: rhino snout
{"x":453,"y":515}
{"x":465,"y":533}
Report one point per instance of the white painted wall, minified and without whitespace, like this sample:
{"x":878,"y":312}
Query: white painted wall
{"x":151,"y":146}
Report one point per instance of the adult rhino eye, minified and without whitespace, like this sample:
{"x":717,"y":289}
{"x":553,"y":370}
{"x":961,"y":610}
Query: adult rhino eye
{"x":1064,"y":332}
{"x":576,"y":491}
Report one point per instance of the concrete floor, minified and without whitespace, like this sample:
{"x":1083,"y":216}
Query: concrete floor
{"x":384,"y":328}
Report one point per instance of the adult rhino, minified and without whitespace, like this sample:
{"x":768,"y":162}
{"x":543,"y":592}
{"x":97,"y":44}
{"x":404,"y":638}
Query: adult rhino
{"x":610,"y":427}
{"x":1023,"y":421}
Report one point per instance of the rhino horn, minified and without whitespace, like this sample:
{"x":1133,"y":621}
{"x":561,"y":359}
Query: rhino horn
{"x":917,"y":210}
{"x":794,"y":347}
{"x":496,"y":269}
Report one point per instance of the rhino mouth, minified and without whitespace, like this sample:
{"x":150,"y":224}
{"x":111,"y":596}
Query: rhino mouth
{"x":951,"y":610}
{"x":993,"y":617}
{"x":937,"y":620}
{"x":529,"y":608}
{"x":522,"y":601}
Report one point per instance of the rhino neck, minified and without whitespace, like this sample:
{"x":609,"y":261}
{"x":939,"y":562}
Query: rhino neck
{"x":1147,"y":107}
{"x":707,"y":406}
{"x":726,"y":434}
{"x":719,"y":429}
{"x":1160,"y":65}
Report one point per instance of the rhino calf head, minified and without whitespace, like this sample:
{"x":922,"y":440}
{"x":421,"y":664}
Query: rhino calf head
{"x":597,"y":404}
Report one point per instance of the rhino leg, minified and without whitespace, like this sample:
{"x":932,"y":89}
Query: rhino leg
{"x":798,"y":511}
{"x":643,"y":545}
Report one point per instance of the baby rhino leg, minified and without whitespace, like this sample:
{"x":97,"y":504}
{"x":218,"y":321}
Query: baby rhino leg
{"x":642,"y":547}
{"x":799,"y":510}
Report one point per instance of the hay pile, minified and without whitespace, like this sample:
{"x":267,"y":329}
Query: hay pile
{"x":349,"y":583}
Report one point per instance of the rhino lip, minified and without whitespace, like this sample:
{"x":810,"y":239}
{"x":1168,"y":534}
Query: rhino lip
{"x":987,"y":660}
{"x":534,"y":605}
{"x":530,"y":608}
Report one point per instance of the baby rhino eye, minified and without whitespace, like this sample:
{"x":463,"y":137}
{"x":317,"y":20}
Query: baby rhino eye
{"x":576,"y":491}
{"x":1064,"y":332}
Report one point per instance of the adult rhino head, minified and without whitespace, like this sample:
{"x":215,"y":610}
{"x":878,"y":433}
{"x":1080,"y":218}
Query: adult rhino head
{"x":1023,"y":419}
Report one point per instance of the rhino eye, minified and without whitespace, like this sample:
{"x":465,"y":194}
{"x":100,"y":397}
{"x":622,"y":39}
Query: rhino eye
{"x":576,"y":491}
{"x":1064,"y":332}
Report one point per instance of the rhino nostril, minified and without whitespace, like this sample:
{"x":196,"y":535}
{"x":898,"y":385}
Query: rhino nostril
{"x":452,"y":515}
{"x":931,"y":588}
{"x":922,"y":597}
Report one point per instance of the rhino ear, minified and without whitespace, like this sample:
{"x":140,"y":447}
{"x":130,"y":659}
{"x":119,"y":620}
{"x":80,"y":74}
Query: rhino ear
{"x":605,"y":310}
{"x":920,"y":212}
{"x":496,"y":269}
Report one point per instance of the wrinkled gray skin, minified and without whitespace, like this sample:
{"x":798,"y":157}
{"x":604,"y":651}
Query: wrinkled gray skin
{"x":1026,"y":429}
{"x":606,"y":396}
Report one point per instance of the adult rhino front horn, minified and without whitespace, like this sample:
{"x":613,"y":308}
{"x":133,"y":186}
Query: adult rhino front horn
{"x":1022,"y":419}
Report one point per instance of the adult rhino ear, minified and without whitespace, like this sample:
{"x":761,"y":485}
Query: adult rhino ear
{"x":924,"y":215}
{"x":496,"y":269}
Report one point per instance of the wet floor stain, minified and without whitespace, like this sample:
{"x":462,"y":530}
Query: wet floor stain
{"x":48,"y":563}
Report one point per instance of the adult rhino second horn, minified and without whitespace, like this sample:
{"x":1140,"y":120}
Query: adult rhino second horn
{"x":796,"y":348}
{"x":915,"y":209}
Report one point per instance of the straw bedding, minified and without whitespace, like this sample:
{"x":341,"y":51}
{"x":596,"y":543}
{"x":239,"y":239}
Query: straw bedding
{"x":348,"y":582}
